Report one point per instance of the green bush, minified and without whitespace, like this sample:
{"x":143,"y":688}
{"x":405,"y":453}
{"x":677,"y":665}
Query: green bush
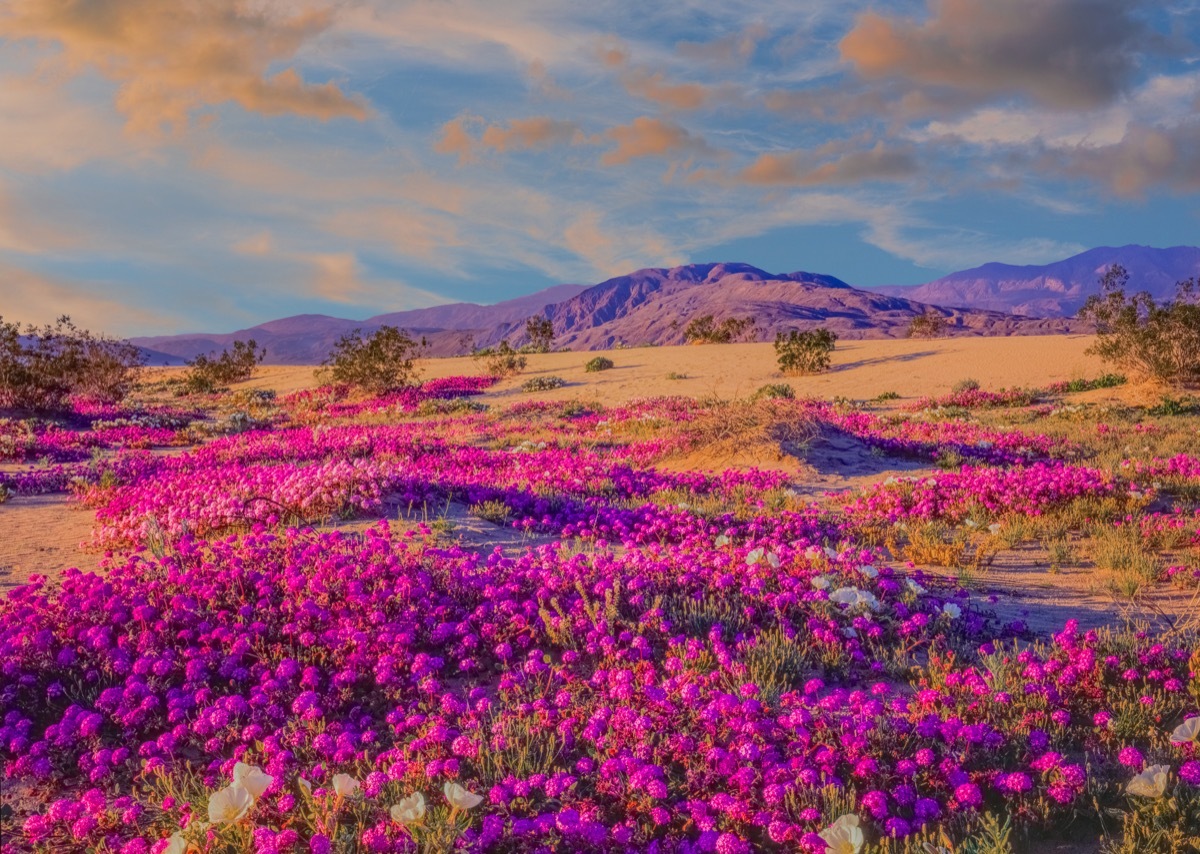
{"x":600,"y":363}
{"x":501,"y":360}
{"x":774,"y":391}
{"x":887,"y":395}
{"x":805,"y":352}
{"x":928,"y":325}
{"x":543,"y":383}
{"x":705,"y":329}
{"x":675,"y":375}
{"x":382,"y":361}
{"x":42,"y":367}
{"x":236,"y":365}
{"x":965,"y":385}
{"x":1160,"y":342}
{"x":540,"y":332}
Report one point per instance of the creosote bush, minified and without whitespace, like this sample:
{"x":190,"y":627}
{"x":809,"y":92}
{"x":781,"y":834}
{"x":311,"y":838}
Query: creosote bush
{"x":42,"y":367}
{"x":807,"y":352}
{"x":543,"y":383}
{"x":706,"y":330}
{"x":600,"y":363}
{"x":502,"y":360}
{"x":1158,"y":341}
{"x":774,"y":391}
{"x":234,"y":365}
{"x":540,"y":332}
{"x":928,"y":325}
{"x":383,"y":361}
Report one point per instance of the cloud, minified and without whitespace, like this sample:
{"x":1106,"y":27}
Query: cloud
{"x":651,"y":137}
{"x":613,"y":250}
{"x":657,"y":89}
{"x":731,"y":50}
{"x":31,"y":297}
{"x":457,"y":140}
{"x":531,"y":133}
{"x":801,"y":168}
{"x":1073,"y":54}
{"x":1145,"y":158}
{"x":173,"y":59}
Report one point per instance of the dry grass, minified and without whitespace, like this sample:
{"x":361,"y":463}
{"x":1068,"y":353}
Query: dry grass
{"x":742,"y":433}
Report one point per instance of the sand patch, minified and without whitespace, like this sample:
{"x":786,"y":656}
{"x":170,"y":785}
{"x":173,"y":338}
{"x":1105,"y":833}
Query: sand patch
{"x":42,"y":535}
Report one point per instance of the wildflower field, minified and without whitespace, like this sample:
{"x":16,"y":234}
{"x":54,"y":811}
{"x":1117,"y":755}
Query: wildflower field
{"x":298,"y":644}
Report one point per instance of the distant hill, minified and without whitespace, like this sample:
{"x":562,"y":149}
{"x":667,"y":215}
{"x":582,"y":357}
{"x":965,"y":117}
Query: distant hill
{"x":1058,"y":289}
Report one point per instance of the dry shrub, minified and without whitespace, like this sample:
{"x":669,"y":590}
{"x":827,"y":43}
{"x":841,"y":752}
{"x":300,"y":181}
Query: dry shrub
{"x":728,"y":429}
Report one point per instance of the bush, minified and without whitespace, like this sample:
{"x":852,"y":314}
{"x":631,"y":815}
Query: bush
{"x":963,"y":386}
{"x":600,"y":363}
{"x":42,"y":367}
{"x":805,"y":352}
{"x":501,"y":360}
{"x":887,"y":395}
{"x":1160,"y":342}
{"x":774,"y":391}
{"x":207,"y":372}
{"x":705,"y":329}
{"x":675,"y":375}
{"x":540,"y":332}
{"x":543,"y":383}
{"x":383,"y":361}
{"x":928,"y":325}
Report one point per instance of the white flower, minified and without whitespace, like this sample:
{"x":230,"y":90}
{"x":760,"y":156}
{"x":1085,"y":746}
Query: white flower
{"x":721,"y":541}
{"x":344,"y":785}
{"x":460,"y":798}
{"x":852,"y":596}
{"x":230,"y":804}
{"x":305,"y":785}
{"x":844,"y":836}
{"x":1151,"y":783}
{"x":177,"y":845}
{"x":252,"y":779}
{"x":971,"y":523}
{"x":754,"y":556}
{"x":1187,"y":731}
{"x":773,"y":559}
{"x":830,"y":553}
{"x":812,"y":552}
{"x":915,"y":587}
{"x":869,"y":571}
{"x":952,"y":611}
{"x":820,"y":582}
{"x":410,"y":810}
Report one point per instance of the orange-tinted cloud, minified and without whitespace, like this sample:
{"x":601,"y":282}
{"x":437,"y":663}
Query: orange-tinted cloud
{"x":733,"y":49}
{"x":650,"y":137}
{"x":456,"y":140}
{"x":535,"y":132}
{"x":675,"y":96}
{"x":800,"y":168}
{"x":1143,"y":159}
{"x":1065,"y":53}
{"x":175,"y":57}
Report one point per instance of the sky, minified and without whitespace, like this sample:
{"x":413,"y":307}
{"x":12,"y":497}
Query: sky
{"x":211,"y":164}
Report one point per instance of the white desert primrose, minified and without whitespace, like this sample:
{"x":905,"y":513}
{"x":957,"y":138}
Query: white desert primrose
{"x":460,"y":798}
{"x":410,"y":810}
{"x":844,"y":836}
{"x":1151,"y":783}
{"x":230,"y":805}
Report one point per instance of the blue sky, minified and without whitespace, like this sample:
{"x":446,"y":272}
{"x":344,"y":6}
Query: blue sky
{"x":210,"y":164}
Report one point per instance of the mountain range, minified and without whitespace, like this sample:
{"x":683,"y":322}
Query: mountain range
{"x":653,"y":306}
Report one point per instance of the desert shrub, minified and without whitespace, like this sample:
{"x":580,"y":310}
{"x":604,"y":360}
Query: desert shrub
{"x":774,"y":391}
{"x":450,"y":406}
{"x":540,"y":332}
{"x":675,"y":375}
{"x":963,"y":386}
{"x":928,"y":325}
{"x":382,"y":361}
{"x":706,"y":330}
{"x":1169,"y":406}
{"x":235,"y":365}
{"x":887,"y":395}
{"x":805,"y":352}
{"x":41,"y":367}
{"x":543,"y":383}
{"x":501,"y":360}
{"x":1160,"y":342}
{"x":600,"y":363}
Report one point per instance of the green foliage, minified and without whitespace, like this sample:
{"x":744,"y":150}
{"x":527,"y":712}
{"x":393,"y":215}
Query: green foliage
{"x":1160,"y":342}
{"x":774,"y":391}
{"x":886,"y":396}
{"x":540,"y":332}
{"x":928,"y":325}
{"x":600,"y":363}
{"x":675,"y":375}
{"x":236,"y":365}
{"x":1104,"y":381}
{"x":501,"y":360}
{"x":1173,"y":406}
{"x":380,"y":362}
{"x":805,"y":352}
{"x":706,"y":330}
{"x":543,"y":383}
{"x":965,"y":385}
{"x":41,"y":367}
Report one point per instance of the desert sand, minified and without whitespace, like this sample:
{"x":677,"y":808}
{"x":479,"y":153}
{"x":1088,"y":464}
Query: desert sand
{"x":861,"y":369}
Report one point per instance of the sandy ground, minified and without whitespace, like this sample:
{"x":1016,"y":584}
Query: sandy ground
{"x":861,"y":369}
{"x":42,"y":534}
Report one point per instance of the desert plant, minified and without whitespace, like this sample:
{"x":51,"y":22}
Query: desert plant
{"x":774,"y":391}
{"x":543,"y":383}
{"x":501,"y":360}
{"x":965,"y":385}
{"x":236,"y":365}
{"x":380,"y":362}
{"x":928,"y":325}
{"x":600,"y":363}
{"x":886,"y":396}
{"x":41,"y":367}
{"x":805,"y":352}
{"x":1158,"y":341}
{"x":540,"y":332}
{"x":675,"y":375}
{"x":706,"y":330}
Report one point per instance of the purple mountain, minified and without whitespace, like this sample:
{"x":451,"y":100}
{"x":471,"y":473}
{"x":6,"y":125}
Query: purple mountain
{"x":1058,"y":289}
